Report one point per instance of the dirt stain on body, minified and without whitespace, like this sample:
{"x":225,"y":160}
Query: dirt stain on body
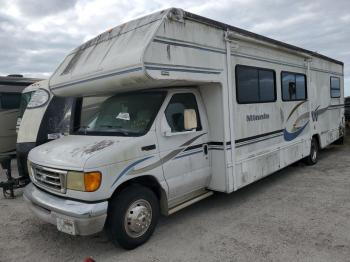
{"x":87,"y":150}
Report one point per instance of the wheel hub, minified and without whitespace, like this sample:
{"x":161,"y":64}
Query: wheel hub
{"x":313,"y":152}
{"x":138,"y":218}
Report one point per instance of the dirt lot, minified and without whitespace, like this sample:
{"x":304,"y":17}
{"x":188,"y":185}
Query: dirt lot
{"x":298,"y":214}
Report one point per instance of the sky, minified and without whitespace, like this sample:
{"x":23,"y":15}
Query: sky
{"x":36,"y":35}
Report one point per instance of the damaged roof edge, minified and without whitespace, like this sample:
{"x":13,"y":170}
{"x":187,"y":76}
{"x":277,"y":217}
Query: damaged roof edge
{"x":107,"y":35}
{"x":204,"y":20}
{"x":226,"y":27}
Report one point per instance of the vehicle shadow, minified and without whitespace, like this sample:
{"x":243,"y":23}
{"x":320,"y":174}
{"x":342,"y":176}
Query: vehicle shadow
{"x":214,"y":210}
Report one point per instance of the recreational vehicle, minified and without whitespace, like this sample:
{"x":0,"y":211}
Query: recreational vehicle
{"x":11,"y":88}
{"x":187,"y":106}
{"x":42,"y":118}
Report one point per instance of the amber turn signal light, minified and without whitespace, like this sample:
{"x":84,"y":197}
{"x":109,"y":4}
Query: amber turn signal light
{"x":92,"y":181}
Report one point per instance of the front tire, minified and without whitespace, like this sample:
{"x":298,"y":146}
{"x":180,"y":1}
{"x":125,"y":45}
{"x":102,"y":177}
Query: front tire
{"x":133,"y":216}
{"x":314,"y":149}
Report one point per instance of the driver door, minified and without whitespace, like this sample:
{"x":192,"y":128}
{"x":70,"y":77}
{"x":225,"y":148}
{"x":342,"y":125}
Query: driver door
{"x":184,"y":153}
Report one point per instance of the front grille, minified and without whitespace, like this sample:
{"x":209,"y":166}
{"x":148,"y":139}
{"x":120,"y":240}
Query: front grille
{"x":49,"y":178}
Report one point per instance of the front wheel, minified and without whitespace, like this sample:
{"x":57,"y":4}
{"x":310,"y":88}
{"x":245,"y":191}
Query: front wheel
{"x":313,"y":157}
{"x":133,"y":216}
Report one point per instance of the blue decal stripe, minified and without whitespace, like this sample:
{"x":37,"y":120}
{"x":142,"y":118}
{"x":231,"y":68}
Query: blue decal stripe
{"x":129,"y":168}
{"x":257,"y":141}
{"x":289,"y":136}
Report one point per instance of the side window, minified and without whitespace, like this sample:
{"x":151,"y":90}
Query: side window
{"x":293,"y":86}
{"x":174,"y":112}
{"x":255,"y":85}
{"x":10,"y":100}
{"x":335,"y":87}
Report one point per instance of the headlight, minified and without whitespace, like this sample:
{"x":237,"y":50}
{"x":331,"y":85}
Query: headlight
{"x":39,"y":98}
{"x":30,"y":171}
{"x":80,"y":181}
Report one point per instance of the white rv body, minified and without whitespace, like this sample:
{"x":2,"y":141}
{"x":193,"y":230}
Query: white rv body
{"x":177,"y":52}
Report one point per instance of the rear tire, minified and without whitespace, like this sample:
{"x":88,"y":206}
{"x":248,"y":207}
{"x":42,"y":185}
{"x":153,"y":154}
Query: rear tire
{"x":132,"y":217}
{"x":314,"y":149}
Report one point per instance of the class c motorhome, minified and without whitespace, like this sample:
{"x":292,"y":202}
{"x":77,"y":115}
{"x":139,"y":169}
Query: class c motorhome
{"x":184,"y":106}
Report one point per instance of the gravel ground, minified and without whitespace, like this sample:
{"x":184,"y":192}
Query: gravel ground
{"x":298,"y":214}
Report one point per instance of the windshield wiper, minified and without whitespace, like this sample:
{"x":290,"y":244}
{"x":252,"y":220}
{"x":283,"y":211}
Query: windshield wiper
{"x":110,"y":126}
{"x":118,"y":129}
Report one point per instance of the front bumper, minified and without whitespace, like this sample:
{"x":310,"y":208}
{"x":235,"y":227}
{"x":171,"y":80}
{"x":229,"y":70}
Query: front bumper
{"x":88,"y":218}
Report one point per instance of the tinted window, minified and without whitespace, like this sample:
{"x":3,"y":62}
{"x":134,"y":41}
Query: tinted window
{"x":255,"y":85}
{"x":300,"y":87}
{"x":335,"y":87}
{"x":10,"y":100}
{"x":266,"y":85}
{"x":293,"y":86}
{"x":174,"y":112}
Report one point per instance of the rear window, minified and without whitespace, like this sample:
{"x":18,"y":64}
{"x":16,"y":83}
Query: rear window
{"x":335,"y":87}
{"x":10,"y":100}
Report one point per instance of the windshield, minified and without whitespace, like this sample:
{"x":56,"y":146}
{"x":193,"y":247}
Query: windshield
{"x":129,"y":114}
{"x":25,"y":98}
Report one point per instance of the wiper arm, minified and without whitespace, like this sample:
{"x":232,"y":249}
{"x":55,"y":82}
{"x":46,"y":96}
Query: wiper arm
{"x":110,"y":126}
{"x":118,"y":129}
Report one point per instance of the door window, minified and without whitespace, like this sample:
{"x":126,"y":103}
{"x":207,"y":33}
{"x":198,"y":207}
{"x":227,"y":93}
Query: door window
{"x":174,"y":112}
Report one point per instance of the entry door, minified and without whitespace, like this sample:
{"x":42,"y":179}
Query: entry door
{"x":184,"y":153}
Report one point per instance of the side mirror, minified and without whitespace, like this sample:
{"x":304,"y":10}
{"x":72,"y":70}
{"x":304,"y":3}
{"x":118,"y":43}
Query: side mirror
{"x":190,"y":119}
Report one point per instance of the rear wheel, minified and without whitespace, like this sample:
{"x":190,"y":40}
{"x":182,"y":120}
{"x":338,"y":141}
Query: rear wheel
{"x":133,"y":216}
{"x":314,"y":149}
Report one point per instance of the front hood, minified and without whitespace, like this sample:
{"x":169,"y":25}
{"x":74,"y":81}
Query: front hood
{"x":72,"y":152}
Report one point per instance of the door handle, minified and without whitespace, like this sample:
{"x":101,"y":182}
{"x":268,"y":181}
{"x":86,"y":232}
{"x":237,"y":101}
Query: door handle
{"x":148,"y":148}
{"x":205,"y":149}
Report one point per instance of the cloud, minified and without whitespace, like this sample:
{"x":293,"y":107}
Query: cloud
{"x":35,"y":8}
{"x":36,"y":35}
